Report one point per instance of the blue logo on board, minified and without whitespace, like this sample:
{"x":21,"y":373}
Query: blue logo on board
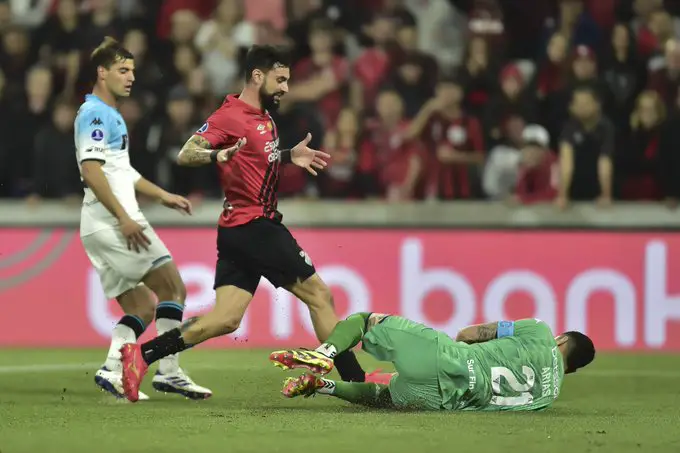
{"x":97,"y":135}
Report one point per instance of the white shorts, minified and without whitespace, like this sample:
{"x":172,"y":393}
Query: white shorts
{"x":120,"y":269}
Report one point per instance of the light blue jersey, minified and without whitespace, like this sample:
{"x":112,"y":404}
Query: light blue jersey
{"x":101,"y":135}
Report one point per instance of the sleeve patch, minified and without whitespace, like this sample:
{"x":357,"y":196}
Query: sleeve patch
{"x":505,"y":329}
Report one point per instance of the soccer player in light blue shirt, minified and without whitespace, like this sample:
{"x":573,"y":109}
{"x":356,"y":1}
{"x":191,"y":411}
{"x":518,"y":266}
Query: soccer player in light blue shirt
{"x":133,"y":264}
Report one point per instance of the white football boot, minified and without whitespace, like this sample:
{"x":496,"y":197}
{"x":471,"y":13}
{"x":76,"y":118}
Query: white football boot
{"x":178,"y":382}
{"x":112,"y":382}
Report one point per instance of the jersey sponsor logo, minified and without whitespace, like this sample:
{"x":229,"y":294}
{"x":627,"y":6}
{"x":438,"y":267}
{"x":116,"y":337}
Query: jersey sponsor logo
{"x":97,"y":135}
{"x":94,"y":149}
{"x":272,"y":147}
{"x":96,"y":122}
{"x":203,"y":129}
{"x":471,"y":374}
{"x":261,"y":129}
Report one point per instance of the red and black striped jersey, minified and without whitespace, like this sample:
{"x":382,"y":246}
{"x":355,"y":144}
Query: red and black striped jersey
{"x":250,"y":179}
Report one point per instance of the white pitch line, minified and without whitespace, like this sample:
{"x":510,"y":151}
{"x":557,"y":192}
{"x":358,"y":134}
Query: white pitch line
{"x":47,"y":367}
{"x":64,"y":367}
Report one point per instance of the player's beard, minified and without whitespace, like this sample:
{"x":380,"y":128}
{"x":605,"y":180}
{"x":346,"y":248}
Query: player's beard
{"x":268,"y":101}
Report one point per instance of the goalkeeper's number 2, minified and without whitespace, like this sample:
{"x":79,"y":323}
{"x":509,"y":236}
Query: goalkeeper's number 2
{"x":524,"y":390}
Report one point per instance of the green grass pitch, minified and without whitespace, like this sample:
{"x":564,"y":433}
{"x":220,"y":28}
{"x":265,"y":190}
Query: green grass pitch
{"x":49,"y":404}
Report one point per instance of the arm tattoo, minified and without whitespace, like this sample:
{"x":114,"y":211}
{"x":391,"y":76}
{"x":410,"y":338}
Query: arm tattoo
{"x":196,"y":151}
{"x":487,"y":332}
{"x":188,"y":323}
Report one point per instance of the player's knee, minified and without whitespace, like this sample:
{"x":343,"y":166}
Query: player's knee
{"x":175,"y":291}
{"x":320,"y":297}
{"x":146,"y":312}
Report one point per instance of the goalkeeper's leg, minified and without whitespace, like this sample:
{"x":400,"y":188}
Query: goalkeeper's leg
{"x":363,"y":393}
{"x":345,"y":336}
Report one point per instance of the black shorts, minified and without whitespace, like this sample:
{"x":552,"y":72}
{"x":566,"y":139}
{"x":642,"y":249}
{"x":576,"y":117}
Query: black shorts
{"x":260,"y":248}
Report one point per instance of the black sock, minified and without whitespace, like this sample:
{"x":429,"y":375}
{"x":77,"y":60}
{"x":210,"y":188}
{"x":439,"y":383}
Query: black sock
{"x":135,"y":323}
{"x":170,"y":342}
{"x":348,"y":367}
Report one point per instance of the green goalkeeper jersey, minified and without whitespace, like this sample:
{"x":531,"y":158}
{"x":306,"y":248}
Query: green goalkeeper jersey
{"x":520,"y":370}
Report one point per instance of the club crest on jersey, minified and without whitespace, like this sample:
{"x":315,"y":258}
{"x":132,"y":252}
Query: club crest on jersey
{"x":203,"y":129}
{"x":305,"y":257}
{"x":97,"y":135}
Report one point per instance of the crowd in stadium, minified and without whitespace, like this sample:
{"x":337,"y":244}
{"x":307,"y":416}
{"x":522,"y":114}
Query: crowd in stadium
{"x":414,"y":99}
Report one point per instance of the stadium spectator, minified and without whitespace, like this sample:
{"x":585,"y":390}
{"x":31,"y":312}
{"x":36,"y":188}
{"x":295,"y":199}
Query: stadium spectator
{"x":143,"y":158}
{"x":586,"y":150}
{"x":370,"y":69}
{"x":410,"y":79}
{"x":645,"y":161}
{"x":407,"y":41}
{"x":394,"y":45}
{"x":5,"y":16}
{"x":223,"y":40}
{"x":576,"y":24}
{"x":341,"y":180}
{"x":54,"y":175}
{"x":60,"y":41}
{"x":455,"y":142}
{"x":167,"y":137}
{"x":149,"y":76}
{"x":27,"y":119}
{"x":658,"y":29}
{"x":501,"y":169}
{"x":523,"y":171}
{"x":321,"y":79}
{"x":184,"y":25}
{"x":103,"y":21}
{"x":512,"y":100}
{"x":664,"y":72}
{"x":15,"y":59}
{"x":393,"y":161}
{"x":553,"y":72}
{"x":478,"y":76}
{"x":625,"y":76}
{"x":538,"y":177}
{"x":29,"y":14}
{"x":584,"y":72}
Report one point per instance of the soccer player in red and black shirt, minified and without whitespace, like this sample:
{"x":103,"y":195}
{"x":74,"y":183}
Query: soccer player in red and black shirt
{"x":241,"y":139}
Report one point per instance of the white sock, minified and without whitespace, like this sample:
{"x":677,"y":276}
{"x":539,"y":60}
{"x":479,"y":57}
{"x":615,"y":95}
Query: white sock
{"x":328,"y":387}
{"x":121,"y":334}
{"x":169,"y":364}
{"x":328,"y":350}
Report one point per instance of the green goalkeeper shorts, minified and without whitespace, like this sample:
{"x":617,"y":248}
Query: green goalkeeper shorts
{"x":413,"y":348}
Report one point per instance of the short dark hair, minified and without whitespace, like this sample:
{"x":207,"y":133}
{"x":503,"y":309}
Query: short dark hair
{"x":265,"y":58}
{"x":580,"y":350}
{"x":108,"y":53}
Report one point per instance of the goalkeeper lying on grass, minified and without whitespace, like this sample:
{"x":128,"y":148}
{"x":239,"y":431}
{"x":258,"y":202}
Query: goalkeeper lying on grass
{"x":497,"y":366}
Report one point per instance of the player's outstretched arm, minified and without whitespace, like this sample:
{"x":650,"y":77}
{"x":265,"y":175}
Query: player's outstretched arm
{"x":197,"y":151}
{"x":478,"y":333}
{"x":169,"y":200}
{"x":306,"y":157}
